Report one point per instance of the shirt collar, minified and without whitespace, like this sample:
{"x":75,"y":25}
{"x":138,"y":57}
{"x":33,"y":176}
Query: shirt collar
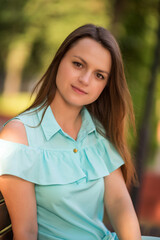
{"x":49,"y":123}
{"x":51,"y":127}
{"x":88,"y":125}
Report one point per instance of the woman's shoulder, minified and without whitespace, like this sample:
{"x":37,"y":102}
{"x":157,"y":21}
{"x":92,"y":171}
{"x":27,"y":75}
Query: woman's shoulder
{"x":14,"y":131}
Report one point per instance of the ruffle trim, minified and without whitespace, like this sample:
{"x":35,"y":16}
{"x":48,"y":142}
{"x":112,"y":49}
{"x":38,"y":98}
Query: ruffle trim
{"x":48,"y":167}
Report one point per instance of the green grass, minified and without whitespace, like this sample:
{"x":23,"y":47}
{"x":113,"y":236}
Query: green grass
{"x":11,"y":105}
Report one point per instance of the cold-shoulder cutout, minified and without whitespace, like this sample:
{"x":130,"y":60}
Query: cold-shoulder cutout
{"x":14,"y":131}
{"x":47,"y":166}
{"x":50,"y":157}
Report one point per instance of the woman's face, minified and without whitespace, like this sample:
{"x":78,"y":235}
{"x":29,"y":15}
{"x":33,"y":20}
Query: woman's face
{"x":83,"y":73}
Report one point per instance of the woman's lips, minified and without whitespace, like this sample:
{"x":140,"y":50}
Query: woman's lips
{"x":78,"y":90}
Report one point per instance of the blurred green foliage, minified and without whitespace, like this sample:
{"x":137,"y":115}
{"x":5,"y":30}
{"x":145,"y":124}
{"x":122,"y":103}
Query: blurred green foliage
{"x":43,"y":25}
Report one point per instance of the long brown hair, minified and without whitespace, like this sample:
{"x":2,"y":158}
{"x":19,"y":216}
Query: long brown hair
{"x":113,"y":108}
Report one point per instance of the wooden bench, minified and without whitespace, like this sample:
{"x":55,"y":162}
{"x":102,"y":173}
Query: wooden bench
{"x":5,"y":222}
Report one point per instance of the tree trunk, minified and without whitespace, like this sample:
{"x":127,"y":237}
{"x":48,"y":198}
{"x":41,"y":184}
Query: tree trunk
{"x":144,"y":132}
{"x":15,"y":63}
{"x":119,"y":8}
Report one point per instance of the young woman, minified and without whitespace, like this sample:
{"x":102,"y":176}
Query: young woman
{"x":66,"y":156}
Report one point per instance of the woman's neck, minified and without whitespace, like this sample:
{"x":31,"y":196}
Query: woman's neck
{"x":67,"y":116}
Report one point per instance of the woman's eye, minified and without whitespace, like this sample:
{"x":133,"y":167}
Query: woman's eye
{"x":100,"y":76}
{"x":77,"y":64}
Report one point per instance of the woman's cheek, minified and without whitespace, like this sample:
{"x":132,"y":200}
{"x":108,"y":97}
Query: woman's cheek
{"x":99,"y":90}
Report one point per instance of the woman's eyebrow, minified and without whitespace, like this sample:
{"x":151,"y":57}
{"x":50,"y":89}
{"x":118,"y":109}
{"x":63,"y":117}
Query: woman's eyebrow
{"x":86,"y":64}
{"x":103,"y":71}
{"x":81,"y":59}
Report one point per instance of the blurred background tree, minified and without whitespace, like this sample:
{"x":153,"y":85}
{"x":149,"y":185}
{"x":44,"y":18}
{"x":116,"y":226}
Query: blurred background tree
{"x":31,"y":32}
{"x":140,"y":44}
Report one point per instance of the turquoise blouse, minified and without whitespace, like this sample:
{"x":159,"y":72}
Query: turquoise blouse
{"x":68,"y":175}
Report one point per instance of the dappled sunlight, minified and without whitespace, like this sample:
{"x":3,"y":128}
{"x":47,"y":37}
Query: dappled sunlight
{"x":158,"y":132}
{"x":13,"y":104}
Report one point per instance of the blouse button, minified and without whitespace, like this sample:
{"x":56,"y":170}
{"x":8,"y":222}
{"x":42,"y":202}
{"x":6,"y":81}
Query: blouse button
{"x":75,"y":150}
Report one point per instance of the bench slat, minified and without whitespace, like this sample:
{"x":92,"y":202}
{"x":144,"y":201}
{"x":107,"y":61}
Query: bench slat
{"x":1,"y":196}
{"x":4,"y":216}
{"x":8,"y":235}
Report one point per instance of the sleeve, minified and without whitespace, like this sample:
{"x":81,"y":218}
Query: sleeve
{"x":17,"y":160}
{"x":102,"y":158}
{"x":49,"y":166}
{"x":38,"y":165}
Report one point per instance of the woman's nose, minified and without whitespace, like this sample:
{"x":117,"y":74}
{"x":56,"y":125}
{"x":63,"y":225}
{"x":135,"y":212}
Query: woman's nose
{"x":85,"y":77}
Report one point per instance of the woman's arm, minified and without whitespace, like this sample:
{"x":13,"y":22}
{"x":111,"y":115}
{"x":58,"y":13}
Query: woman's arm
{"x":19,"y":194}
{"x":120,"y":208}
